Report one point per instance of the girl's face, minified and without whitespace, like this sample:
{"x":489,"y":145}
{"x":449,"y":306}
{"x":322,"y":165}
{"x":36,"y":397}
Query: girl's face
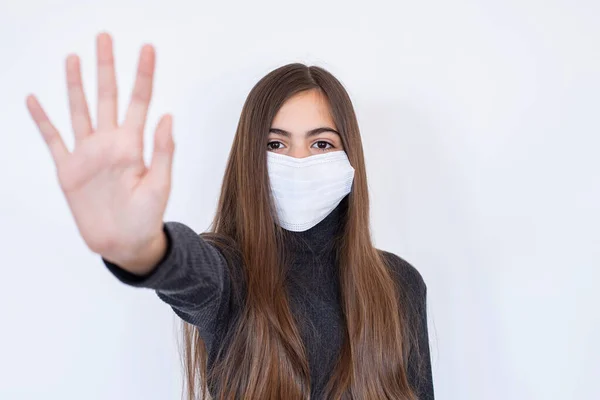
{"x":303,"y":127}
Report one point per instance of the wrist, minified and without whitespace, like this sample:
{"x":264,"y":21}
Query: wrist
{"x":144,"y":259}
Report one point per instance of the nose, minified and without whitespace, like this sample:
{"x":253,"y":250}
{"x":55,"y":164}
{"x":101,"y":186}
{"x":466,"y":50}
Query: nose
{"x":299,"y":152}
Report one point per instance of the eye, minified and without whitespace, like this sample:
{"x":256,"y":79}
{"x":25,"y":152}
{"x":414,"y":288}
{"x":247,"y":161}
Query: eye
{"x":278,"y":145}
{"x":322,"y":145}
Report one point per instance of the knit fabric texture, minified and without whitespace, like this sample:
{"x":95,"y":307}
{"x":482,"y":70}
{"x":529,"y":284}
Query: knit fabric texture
{"x":194,"y":280}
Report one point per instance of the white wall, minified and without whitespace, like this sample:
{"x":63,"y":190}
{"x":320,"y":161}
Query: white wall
{"x":480,"y":122}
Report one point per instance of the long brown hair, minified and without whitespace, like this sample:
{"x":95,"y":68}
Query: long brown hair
{"x":266,"y":358}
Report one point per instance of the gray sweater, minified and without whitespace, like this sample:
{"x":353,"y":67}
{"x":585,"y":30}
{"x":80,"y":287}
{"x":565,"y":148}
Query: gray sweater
{"x":193,"y":278}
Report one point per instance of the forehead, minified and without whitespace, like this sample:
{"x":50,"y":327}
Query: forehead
{"x":304,"y":111}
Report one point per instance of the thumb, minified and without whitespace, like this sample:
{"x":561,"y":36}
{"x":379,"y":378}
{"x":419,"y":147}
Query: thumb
{"x":159,"y":174}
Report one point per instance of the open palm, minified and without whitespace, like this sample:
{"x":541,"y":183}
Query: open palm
{"x":117,"y":201}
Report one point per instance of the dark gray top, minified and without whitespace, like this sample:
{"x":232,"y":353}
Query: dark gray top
{"x":193,"y":278}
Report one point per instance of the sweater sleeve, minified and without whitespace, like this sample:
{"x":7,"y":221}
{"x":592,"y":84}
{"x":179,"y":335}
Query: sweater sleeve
{"x":421,"y":370}
{"x":414,"y":298}
{"x":193,"y":278}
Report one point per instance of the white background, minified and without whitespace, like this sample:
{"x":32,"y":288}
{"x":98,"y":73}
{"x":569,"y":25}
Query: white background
{"x":480,"y":123}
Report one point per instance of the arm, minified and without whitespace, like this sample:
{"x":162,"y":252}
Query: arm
{"x":420,"y":365}
{"x":413,"y":296}
{"x":192,"y":277}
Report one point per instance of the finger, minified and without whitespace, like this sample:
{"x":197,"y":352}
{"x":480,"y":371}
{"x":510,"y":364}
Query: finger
{"x":159,"y":174}
{"x":107,"y":84}
{"x":58,"y":150}
{"x":137,"y":111}
{"x":80,"y":114}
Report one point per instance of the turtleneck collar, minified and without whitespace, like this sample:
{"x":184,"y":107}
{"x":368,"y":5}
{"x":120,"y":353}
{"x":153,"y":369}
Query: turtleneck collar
{"x":320,"y":237}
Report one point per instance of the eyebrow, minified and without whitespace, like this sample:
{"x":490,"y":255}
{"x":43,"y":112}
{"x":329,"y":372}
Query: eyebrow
{"x":310,"y":133}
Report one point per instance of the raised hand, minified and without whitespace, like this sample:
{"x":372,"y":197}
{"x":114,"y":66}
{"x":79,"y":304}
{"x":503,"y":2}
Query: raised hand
{"x":117,"y":201}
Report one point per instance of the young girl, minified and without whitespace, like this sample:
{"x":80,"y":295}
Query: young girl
{"x":285,"y":297}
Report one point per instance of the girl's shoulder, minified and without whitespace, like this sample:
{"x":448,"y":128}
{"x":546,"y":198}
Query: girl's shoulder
{"x":406,"y":274}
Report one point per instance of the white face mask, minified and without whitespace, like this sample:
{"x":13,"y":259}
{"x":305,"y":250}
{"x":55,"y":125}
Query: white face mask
{"x":307,"y":189}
